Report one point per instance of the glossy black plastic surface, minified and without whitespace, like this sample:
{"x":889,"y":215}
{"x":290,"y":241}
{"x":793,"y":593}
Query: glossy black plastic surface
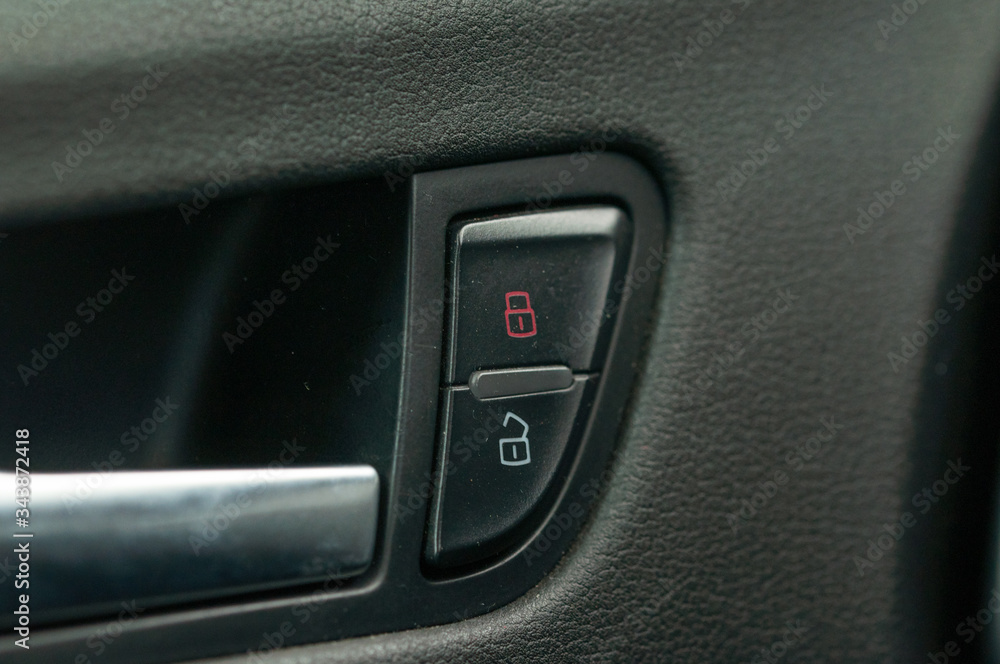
{"x":240,"y":339}
{"x":535,"y":289}
{"x":500,"y":459}
{"x":524,"y":380}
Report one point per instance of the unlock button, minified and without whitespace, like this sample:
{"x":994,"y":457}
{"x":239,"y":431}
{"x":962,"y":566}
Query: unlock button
{"x":502,"y":459}
{"x":515,"y":451}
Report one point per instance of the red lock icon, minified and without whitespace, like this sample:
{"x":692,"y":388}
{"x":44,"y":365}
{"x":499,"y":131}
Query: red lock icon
{"x":520,"y":316}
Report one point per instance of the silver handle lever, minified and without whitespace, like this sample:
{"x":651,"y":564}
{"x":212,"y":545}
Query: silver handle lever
{"x":161,"y":537}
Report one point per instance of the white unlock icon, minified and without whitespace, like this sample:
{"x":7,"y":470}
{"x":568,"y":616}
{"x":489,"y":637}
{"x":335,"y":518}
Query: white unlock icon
{"x":515,"y":451}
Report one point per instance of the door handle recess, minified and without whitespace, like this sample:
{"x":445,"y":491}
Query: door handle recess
{"x":161,"y":537}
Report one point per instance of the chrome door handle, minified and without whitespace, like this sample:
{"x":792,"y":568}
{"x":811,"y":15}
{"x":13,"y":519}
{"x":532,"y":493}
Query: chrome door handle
{"x":163,"y":537}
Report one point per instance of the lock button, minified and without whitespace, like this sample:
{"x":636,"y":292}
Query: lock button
{"x":501,"y":460}
{"x":536,"y":289}
{"x":520,"y":315}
